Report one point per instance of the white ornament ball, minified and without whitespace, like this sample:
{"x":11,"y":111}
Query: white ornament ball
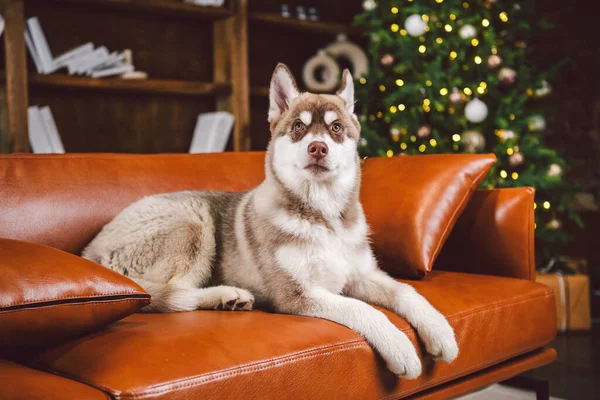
{"x":363,"y":142}
{"x":467,"y":32}
{"x":554,"y":170}
{"x":516,"y":159}
{"x":553,"y":224}
{"x":536,"y":123}
{"x":476,"y":111}
{"x":369,"y":5}
{"x":543,"y":90}
{"x":473,"y":141}
{"x":414,"y":25}
{"x":508,"y":135}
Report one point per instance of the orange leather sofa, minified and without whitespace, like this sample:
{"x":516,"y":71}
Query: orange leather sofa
{"x":483,"y":282}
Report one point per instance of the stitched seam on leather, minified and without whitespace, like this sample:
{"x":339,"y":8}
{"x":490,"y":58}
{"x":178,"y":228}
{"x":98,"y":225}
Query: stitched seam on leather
{"x":68,"y":298}
{"x":458,"y":375}
{"x":246,"y":369}
{"x":454,"y":217}
{"x":92,"y":303}
{"x":500,"y":304}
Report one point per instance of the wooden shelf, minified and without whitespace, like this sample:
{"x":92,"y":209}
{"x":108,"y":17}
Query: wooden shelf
{"x":313,"y":26}
{"x":156,"y":86}
{"x":160,"y":7}
{"x":259,"y":91}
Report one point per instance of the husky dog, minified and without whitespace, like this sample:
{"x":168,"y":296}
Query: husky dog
{"x":297,"y":243}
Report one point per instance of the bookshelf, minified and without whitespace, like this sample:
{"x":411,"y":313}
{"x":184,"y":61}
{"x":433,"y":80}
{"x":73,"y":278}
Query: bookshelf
{"x":198,"y":59}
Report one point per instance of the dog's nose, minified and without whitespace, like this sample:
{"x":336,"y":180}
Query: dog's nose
{"x":318,"y":150}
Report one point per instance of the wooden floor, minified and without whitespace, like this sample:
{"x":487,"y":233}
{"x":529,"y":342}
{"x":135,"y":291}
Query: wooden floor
{"x":576,"y":373}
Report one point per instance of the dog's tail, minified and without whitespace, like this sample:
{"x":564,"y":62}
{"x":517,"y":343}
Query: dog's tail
{"x":170,"y":298}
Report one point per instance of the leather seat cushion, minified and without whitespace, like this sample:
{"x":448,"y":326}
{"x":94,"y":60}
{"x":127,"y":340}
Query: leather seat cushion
{"x":18,"y":382}
{"x":233,"y":355}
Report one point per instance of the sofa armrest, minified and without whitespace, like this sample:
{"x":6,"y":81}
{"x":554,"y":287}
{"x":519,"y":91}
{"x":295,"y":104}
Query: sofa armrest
{"x":494,"y":235}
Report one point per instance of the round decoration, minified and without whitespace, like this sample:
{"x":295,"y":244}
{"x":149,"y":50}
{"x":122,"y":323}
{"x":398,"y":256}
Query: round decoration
{"x":329,"y":76}
{"x":476,"y":111}
{"x":554,"y":170}
{"x":414,"y":25}
{"x":467,"y":32}
{"x":494,"y":61}
{"x":351,"y":51}
{"x":473,"y":141}
{"x":369,"y":5}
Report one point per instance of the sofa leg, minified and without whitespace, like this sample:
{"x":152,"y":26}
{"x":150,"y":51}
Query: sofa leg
{"x":541,"y":387}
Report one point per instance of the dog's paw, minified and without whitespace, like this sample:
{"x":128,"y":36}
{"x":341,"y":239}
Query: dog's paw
{"x":401,"y":357}
{"x":235,"y":299}
{"x":440,"y":341}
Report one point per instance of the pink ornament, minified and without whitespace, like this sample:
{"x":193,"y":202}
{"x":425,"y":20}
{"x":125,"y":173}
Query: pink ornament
{"x":516,"y":159}
{"x":387,"y":59}
{"x":494,"y":61}
{"x":424,"y":131}
{"x":507,"y":76}
{"x":456,"y":96}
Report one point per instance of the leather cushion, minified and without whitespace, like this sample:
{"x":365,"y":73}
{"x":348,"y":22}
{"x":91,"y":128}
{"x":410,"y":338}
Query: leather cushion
{"x":413,"y":202}
{"x":18,"y":382}
{"x":47,"y":295}
{"x":258,"y":355}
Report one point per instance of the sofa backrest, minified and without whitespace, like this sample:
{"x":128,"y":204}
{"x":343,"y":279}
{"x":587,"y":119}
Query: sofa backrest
{"x":64,"y":200}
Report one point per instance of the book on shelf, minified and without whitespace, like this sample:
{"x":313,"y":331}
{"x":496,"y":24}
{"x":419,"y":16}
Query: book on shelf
{"x":1,"y":25}
{"x":43,"y":133}
{"x":81,"y":60}
{"x":212,"y":132}
{"x":212,"y":3}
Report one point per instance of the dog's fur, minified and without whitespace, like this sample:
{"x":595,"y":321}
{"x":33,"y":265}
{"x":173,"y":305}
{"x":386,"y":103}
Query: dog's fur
{"x":297,"y":243}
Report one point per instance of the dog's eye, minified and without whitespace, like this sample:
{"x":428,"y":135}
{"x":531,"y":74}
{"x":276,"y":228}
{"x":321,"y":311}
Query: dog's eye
{"x":298,"y":126}
{"x":336,"y":127}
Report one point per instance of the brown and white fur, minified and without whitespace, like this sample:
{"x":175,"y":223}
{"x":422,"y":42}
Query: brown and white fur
{"x":297,"y":243}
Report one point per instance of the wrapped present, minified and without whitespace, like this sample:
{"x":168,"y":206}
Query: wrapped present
{"x":572,"y":296}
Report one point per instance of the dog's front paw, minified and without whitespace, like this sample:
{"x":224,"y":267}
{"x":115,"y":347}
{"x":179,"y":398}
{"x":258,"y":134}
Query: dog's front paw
{"x":235,"y":299}
{"x":401,"y":357}
{"x":440,"y":341}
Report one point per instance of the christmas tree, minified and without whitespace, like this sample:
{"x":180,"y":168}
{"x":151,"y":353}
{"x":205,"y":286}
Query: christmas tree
{"x":450,"y":76}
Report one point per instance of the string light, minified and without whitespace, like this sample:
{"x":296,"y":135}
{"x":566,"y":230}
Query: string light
{"x":439,"y":40}
{"x":448,"y":28}
{"x":422,"y":49}
{"x":426,"y":108}
{"x":452,"y":17}
{"x":371,"y":117}
{"x":390,"y":153}
{"x":426,"y":102}
{"x":465,"y":4}
{"x":480,"y":90}
{"x":401,"y":107}
{"x":474,"y":42}
{"x":413,"y":138}
{"x":379,"y":114}
{"x":422,"y":148}
{"x":399,"y":82}
{"x":511,"y":117}
{"x":428,"y":82}
{"x":485,"y":22}
{"x":483,"y":84}
{"x":393,"y":109}
{"x":422,"y":39}
{"x":443,"y":91}
{"x":403,"y":146}
{"x":515,"y":176}
{"x":433,"y":142}
{"x":456,"y":137}
{"x":362,"y":81}
{"x":395,"y":27}
{"x":450,"y":110}
{"x":453,"y":55}
{"x":494,"y":50}
{"x":425,"y":17}
{"x":534,"y":205}
{"x":477,"y":60}
{"x":510,"y":151}
{"x":546,"y":205}
{"x":394,"y":10}
{"x":381,"y":88}
{"x":439,"y":1}
{"x":403,"y":32}
{"x":387,"y":119}
{"x":503,"y":16}
{"x":503,"y":174}
{"x":467,"y":91}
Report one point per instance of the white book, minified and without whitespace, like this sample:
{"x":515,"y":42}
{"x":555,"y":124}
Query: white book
{"x":52,"y":130}
{"x":94,"y":58}
{"x":33,"y":52}
{"x":1,"y":25}
{"x":41,"y":45}
{"x":73,"y":54}
{"x":118,"y":70}
{"x":38,"y":138}
{"x":113,"y":60}
{"x":212,"y":132}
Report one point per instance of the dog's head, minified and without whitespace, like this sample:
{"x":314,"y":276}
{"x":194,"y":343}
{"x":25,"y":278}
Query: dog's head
{"x":313,"y":136}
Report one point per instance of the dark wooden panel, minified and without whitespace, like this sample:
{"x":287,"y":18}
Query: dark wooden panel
{"x":259,"y":106}
{"x":166,"y":48}
{"x":116,"y":122}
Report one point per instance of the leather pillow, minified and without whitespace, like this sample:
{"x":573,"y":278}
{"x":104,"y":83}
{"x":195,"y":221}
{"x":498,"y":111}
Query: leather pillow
{"x":412,"y":203}
{"x":47,"y":296}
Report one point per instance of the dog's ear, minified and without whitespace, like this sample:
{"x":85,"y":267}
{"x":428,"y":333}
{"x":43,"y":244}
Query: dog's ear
{"x":282,"y":91}
{"x":346,"y":91}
